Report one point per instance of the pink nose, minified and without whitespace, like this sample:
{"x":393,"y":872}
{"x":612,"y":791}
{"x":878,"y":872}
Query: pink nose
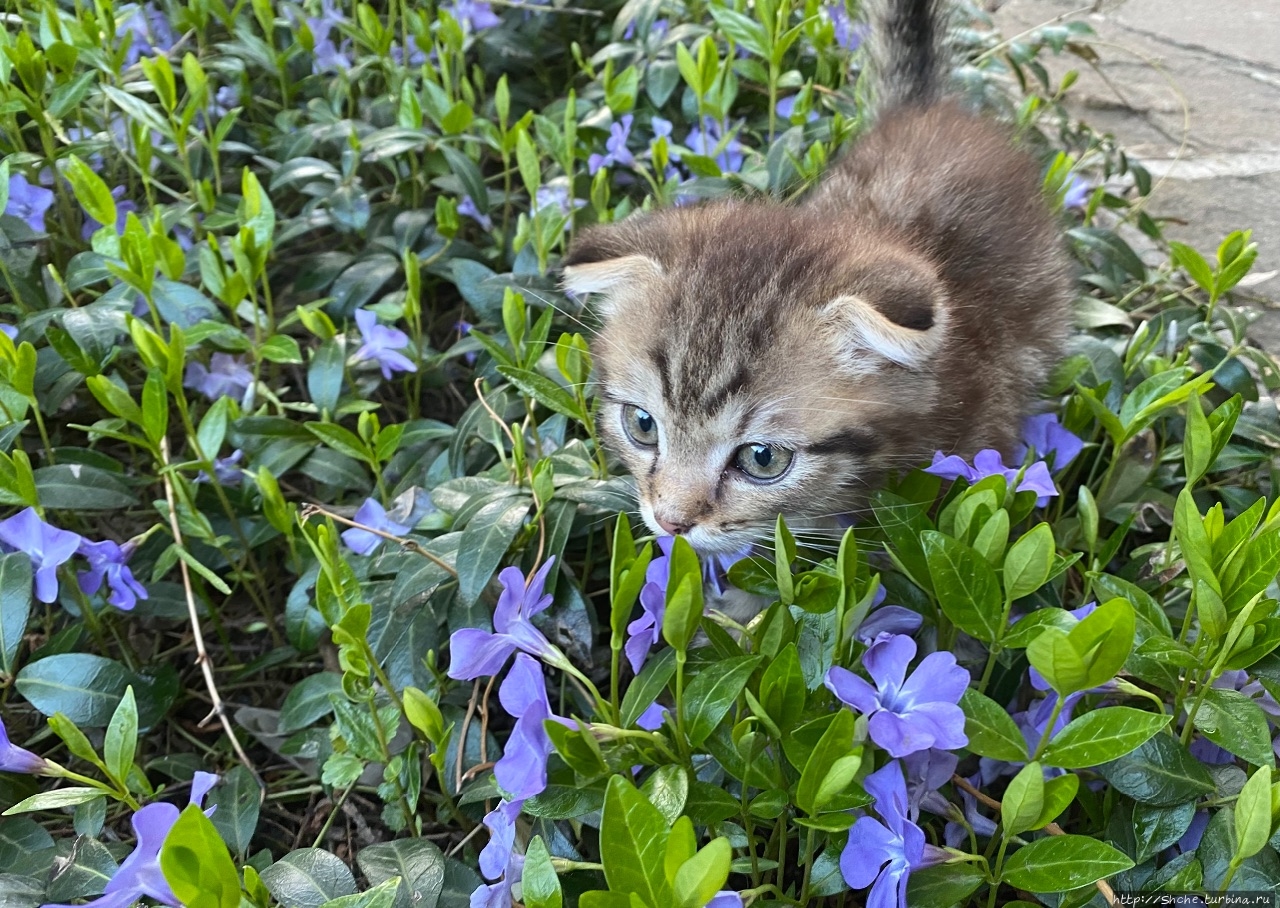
{"x":675,"y":529}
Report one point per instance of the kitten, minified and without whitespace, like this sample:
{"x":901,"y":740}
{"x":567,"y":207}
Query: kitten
{"x":759,"y":358}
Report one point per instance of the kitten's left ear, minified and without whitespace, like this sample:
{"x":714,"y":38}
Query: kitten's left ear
{"x":613,"y":262}
{"x":895,"y":310}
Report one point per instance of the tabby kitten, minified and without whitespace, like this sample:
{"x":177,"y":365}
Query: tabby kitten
{"x":758,"y":358}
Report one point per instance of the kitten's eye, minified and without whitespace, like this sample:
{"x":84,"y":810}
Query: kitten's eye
{"x":763,"y":462}
{"x":642,"y":427}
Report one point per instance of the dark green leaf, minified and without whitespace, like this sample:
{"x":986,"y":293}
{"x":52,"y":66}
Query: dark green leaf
{"x":237,"y":797}
{"x":418,"y":863}
{"x":991,"y":731}
{"x":15,"y":606}
{"x":484,"y":542}
{"x":1160,"y":772}
{"x":709,"y":696}
{"x":966,"y":586}
{"x":307,"y":878}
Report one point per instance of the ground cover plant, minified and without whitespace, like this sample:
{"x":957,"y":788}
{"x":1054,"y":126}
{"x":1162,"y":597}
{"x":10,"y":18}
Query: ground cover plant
{"x":317,"y":589}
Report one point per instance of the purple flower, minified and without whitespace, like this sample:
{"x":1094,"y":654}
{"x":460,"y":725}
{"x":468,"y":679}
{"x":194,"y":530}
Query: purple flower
{"x":498,"y":858}
{"x":1190,"y":840}
{"x":616,"y":145}
{"x":9,"y":331}
{"x":225,"y":469}
{"x":473,"y":15}
{"x":381,"y":344}
{"x":28,"y":202}
{"x":123,"y":207}
{"x":371,"y":514}
{"x":1047,"y":439}
{"x":328,"y":56}
{"x":785,"y":109}
{"x":1077,"y":193}
{"x":226,"y":376}
{"x":988,"y":462}
{"x":927,"y":771}
{"x":955,"y":833}
{"x":557,"y":196}
{"x":848,"y":33}
{"x":416,"y":56}
{"x":468,"y":207}
{"x":149,"y":32}
{"x":224,"y":99}
{"x":906,"y":714}
{"x":476,"y":652}
{"x":725,"y":898}
{"x":886,"y":621}
{"x":522,"y":770}
{"x":705,"y":140}
{"x":47,"y":546}
{"x":652,"y":718}
{"x":883,"y":854}
{"x":656,"y":32}
{"x":646,"y":631}
{"x":140,"y":873}
{"x":109,"y":561}
{"x":18,"y":759}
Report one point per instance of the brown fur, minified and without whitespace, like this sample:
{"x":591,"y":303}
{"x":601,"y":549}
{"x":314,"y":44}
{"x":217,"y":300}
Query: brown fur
{"x":914,"y":302}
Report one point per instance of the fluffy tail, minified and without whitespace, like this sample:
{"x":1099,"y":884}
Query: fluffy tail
{"x":908,"y":55}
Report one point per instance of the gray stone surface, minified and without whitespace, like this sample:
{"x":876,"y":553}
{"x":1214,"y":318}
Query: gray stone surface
{"x":1192,"y":89}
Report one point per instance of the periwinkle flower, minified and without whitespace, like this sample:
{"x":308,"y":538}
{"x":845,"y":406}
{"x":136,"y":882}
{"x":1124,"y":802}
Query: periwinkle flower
{"x":140,"y":872}
{"x":886,"y":620}
{"x":704,"y":140}
{"x":653,"y":717}
{"x":848,"y":34}
{"x":46,"y":545}
{"x":725,"y":898}
{"x":109,"y":563}
{"x":656,"y":32}
{"x":954,"y":833}
{"x":9,"y":331}
{"x":521,"y":772}
{"x":475,"y":652}
{"x":882,"y":853}
{"x":328,"y":55}
{"x":416,"y":56}
{"x":785,"y":108}
{"x":473,"y":15}
{"x":498,"y":859}
{"x":149,"y":33}
{"x":382,"y":345}
{"x":1045,"y":437}
{"x":225,"y":376}
{"x":644,"y":633}
{"x":226,"y":470}
{"x":28,"y":202}
{"x":616,"y":146}
{"x":906,"y":714}
{"x":18,"y":759}
{"x":371,"y":514}
{"x":224,"y":99}
{"x":559,"y":197}
{"x":926,"y":772}
{"x":1077,"y":193}
{"x":468,"y":207}
{"x":988,"y":462}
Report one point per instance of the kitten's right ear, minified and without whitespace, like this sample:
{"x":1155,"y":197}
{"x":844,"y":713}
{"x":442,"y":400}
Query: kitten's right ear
{"x":605,"y":261}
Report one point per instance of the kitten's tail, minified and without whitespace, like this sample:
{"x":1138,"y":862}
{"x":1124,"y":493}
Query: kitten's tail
{"x":908,"y":53}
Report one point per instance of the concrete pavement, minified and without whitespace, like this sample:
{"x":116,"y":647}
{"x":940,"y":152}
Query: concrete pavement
{"x":1192,"y":90}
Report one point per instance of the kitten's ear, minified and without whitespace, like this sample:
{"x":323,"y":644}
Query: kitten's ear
{"x":609,"y":262}
{"x":895,"y":310}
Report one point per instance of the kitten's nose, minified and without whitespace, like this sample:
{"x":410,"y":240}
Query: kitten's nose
{"x":675,"y":529}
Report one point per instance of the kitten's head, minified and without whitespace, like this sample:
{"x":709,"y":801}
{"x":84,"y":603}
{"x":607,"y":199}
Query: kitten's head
{"x":756,"y":361}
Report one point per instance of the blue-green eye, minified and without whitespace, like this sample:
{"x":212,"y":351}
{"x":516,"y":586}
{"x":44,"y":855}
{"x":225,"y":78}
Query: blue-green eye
{"x":763,"y":462}
{"x":640,"y":426}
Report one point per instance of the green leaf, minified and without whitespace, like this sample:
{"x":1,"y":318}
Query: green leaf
{"x":1059,"y":792}
{"x":308,"y":701}
{"x":1053,"y":656}
{"x":1059,"y":863}
{"x":647,"y":686}
{"x":90,"y":191}
{"x":344,"y":441}
{"x":1188,"y":527}
{"x":539,"y":883}
{"x":87,"y":688}
{"x":237,"y":798}
{"x":684,"y":603}
{"x":782,"y":689}
{"x":325,"y":375}
{"x":417,"y":863}
{"x":484,"y":542}
{"x":1023,"y":800}
{"x":1157,"y":828}
{"x":55,"y":800}
{"x":1028,"y":562}
{"x":990,"y":729}
{"x":121,"y":740}
{"x":710,"y":695}
{"x":1197,"y":442}
{"x":197,"y":865}
{"x":384,"y":895}
{"x":1103,"y":735}
{"x":1252,"y":815}
{"x":703,"y":875}
{"x":1236,"y":723}
{"x":943,"y":884}
{"x":1160,"y":772}
{"x":667,"y":789}
{"x":80,"y":487}
{"x":15,"y":607}
{"x":1193,"y":263}
{"x":544,"y":391}
{"x":633,"y":844}
{"x":836,"y":742}
{"x":966,"y":586}
{"x":307,"y":878}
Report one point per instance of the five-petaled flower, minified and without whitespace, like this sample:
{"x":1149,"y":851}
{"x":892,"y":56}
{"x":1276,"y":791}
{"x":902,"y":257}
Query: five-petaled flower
{"x":475,"y":652}
{"x":140,"y":872}
{"x":46,"y":545}
{"x":226,"y":376}
{"x":714,"y":134}
{"x":906,"y":714}
{"x":1035,"y":478}
{"x":382,"y":345}
{"x":883,"y":854}
{"x":371,"y":514}
{"x":28,"y":202}
{"x":18,"y":759}
{"x":1045,"y":437}
{"x":616,"y":146}
{"x":109,"y":561}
